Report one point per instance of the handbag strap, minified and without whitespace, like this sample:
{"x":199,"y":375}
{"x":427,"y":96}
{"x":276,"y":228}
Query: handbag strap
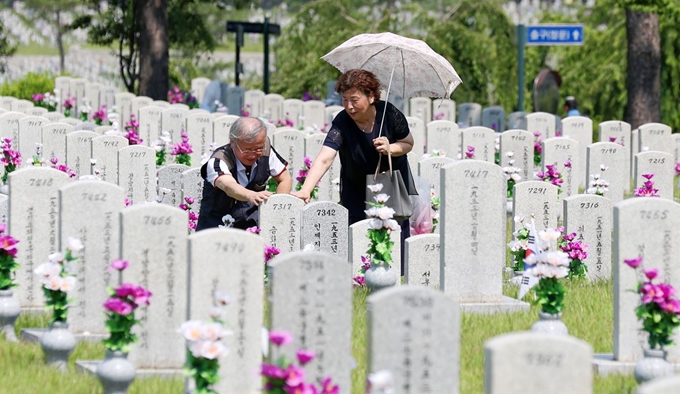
{"x":389,"y":160}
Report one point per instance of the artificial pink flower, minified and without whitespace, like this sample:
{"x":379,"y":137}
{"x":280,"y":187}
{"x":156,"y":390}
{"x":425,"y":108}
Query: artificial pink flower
{"x":125,"y":290}
{"x":633,"y":263}
{"x":118,"y":265}
{"x":273,"y":371}
{"x":189,"y":200}
{"x":651,"y":273}
{"x":279,"y":337}
{"x":7,"y":243}
{"x":295,"y":375}
{"x":305,"y":356}
{"x":253,"y":230}
{"x":141,"y":295}
{"x":116,"y":305}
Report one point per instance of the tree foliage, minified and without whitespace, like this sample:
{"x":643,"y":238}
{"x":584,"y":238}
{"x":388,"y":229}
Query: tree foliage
{"x":6,"y":49}
{"x":119,"y":24}
{"x":315,"y":30}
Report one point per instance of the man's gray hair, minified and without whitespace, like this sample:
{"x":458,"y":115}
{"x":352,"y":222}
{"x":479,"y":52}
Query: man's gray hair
{"x":246,"y":129}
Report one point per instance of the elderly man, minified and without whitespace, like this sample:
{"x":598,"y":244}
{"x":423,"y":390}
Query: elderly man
{"x":236,"y":176}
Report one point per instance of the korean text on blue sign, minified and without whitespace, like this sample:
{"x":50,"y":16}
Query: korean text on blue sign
{"x":555,"y":35}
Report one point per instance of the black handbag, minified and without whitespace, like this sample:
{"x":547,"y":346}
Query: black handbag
{"x":393,"y":185}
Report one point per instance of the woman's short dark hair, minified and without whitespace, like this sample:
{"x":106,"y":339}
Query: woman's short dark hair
{"x":364,"y":81}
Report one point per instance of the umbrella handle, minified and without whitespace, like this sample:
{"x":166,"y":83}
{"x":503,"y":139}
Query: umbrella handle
{"x":389,"y":86}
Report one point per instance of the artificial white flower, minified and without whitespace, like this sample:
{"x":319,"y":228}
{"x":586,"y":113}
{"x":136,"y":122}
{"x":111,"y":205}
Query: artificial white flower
{"x":510,"y":154}
{"x":228,"y":221}
{"x":74,"y":244}
{"x":375,"y":188}
{"x":53,"y":282}
{"x":381,"y":381}
{"x":371,"y":212}
{"x":375,"y":224}
{"x":165,"y":137}
{"x":56,"y":257}
{"x":223,"y":298}
{"x":381,"y":198}
{"x":67,"y":284}
{"x":603,"y":167}
{"x":516,"y":177}
{"x":384,"y":213}
{"x":211,"y":350}
{"x":48,"y":270}
{"x":213,"y":331}
{"x":191,"y":330}
{"x":391,"y":225}
{"x":215,"y":313}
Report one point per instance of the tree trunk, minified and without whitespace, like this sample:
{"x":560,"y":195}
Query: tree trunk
{"x":153,"y":48}
{"x":60,"y":43}
{"x":644,"y":68}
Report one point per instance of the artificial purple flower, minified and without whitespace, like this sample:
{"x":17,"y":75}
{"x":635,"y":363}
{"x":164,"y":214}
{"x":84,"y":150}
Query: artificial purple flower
{"x":359,"y":280}
{"x":308,"y":162}
{"x":141,"y":295}
{"x":272,"y":371}
{"x":677,"y":168}
{"x":305,"y":356}
{"x":633,"y":263}
{"x":648,"y":176}
{"x":567,"y":164}
{"x":54,"y":160}
{"x":651,"y":273}
{"x":295,"y":376}
{"x":118,"y":306}
{"x":192,"y":224}
{"x":253,"y":230}
{"x":118,"y":265}
{"x":183,"y":207}
{"x":192,"y":216}
{"x":280,"y":337}
{"x":189,"y":200}
{"x":327,"y":387}
{"x":7,"y":244}
{"x":270,"y":252}
{"x":470,"y":153}
{"x":612,"y":139}
{"x":125,"y":290}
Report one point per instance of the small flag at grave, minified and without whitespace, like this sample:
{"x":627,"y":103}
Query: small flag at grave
{"x":529,"y":281}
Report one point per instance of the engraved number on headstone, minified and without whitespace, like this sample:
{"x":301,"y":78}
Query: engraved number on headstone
{"x":325,"y":212}
{"x":562,"y":147}
{"x":588,"y":205}
{"x":657,"y":161}
{"x":476,"y":174}
{"x":40,"y":182}
{"x":608,"y":150}
{"x":431,"y":247}
{"x":661,"y":215}
{"x":94,"y":196}
{"x":137,"y":154}
{"x":281,"y":207}
{"x":544,"y":360}
{"x":537,"y":190}
{"x":157,"y":220}
{"x":656,"y":132}
{"x":233,"y":247}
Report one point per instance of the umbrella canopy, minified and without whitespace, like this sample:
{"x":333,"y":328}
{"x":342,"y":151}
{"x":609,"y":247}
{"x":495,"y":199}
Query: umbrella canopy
{"x":412,"y":67}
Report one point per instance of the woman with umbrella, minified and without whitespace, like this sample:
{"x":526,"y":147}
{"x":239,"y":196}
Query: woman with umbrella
{"x":355,"y":135}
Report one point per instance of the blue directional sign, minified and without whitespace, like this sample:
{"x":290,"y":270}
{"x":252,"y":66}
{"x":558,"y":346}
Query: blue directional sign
{"x":555,"y":35}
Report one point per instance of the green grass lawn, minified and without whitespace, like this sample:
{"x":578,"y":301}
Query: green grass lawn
{"x":588,"y":314}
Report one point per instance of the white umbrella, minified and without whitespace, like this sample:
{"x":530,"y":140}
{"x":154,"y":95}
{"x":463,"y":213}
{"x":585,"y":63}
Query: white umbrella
{"x":410,"y":67}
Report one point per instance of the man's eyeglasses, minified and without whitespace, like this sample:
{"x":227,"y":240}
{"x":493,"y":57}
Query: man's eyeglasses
{"x":249,"y":151}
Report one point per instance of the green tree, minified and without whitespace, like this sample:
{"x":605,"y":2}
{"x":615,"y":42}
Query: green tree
{"x":126,"y":22}
{"x":53,"y":11}
{"x":6,"y":49}
{"x":315,"y":30}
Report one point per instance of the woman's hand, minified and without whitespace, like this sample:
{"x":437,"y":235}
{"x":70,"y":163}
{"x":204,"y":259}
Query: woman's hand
{"x":302,"y":195}
{"x":382,"y":145}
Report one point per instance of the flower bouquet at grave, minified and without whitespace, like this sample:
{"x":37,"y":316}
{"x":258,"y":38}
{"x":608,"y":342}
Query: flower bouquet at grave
{"x":38,"y":159}
{"x":245,"y":111}
{"x":186,"y":206}
{"x":282,"y":122}
{"x":9,"y":306}
{"x":365,"y":265}
{"x":379,"y":250}
{"x":538,"y":149}
{"x":435,"y":203}
{"x":270,"y":251}
{"x":160,"y":145}
{"x":434,"y":153}
{"x":511,"y":174}
{"x":182,"y":150}
{"x":470,"y":152}
{"x":11,"y":159}
{"x":520,"y":244}
{"x":272,"y":185}
{"x":68,"y":105}
{"x":597,"y":185}
{"x":302,"y":175}
{"x":284,"y":376}
{"x":99,"y":116}
{"x":56,"y":280}
{"x":45,"y":100}
{"x":120,"y":311}
{"x":84,"y":114}
{"x":497,"y":148}
{"x":62,"y":167}
{"x":552,"y":176}
{"x":8,"y":254}
{"x":647,"y":189}
{"x":659,"y":309}
{"x":439,"y":116}
{"x":577,"y":252}
{"x":205,"y":347}
{"x":178,"y":96}
{"x":132,"y":131}
{"x":549,"y":265}
{"x":614,"y":139}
